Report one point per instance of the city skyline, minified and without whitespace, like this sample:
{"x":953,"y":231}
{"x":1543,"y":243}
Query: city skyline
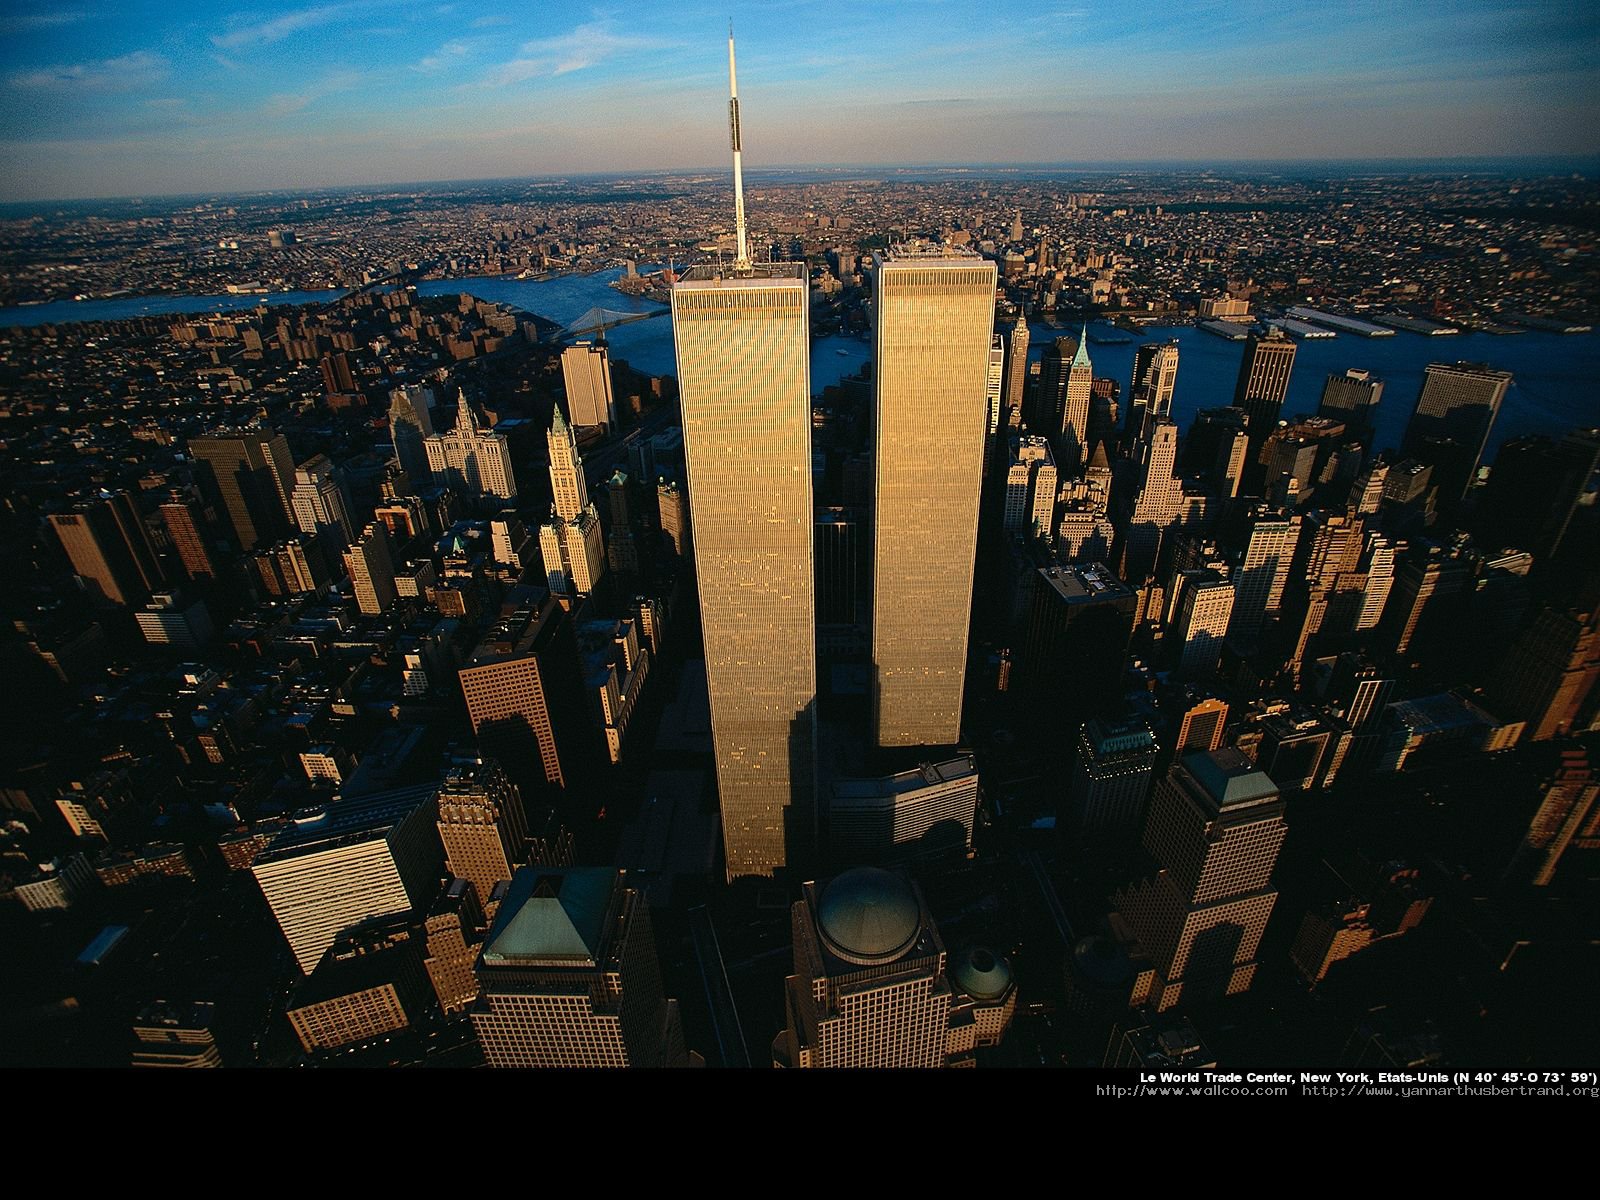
{"x":351,"y":93}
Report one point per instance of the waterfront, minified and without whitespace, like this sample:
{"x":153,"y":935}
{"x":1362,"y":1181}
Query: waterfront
{"x":1554,"y":390}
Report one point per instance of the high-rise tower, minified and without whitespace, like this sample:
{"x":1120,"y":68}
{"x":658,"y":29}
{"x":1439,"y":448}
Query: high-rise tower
{"x":935,"y":318}
{"x":1215,"y":827}
{"x":1456,"y":408}
{"x":744,"y":385}
{"x":252,"y":473}
{"x":571,"y":542}
{"x":106,"y":542}
{"x":1263,"y":384}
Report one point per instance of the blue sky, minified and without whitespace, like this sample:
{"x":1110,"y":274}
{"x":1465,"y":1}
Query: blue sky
{"x":139,"y":98}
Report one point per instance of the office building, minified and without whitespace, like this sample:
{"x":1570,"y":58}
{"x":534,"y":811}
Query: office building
{"x":1113,"y":775}
{"x":569,"y":976}
{"x":1568,"y":814}
{"x":370,"y":983}
{"x":370,"y":565}
{"x":1066,"y":379}
{"x":320,"y":503}
{"x":672,"y":510}
{"x":524,"y":697}
{"x":169,"y":621}
{"x":840,"y":594}
{"x":1016,"y":372}
{"x":1155,"y":377}
{"x":1215,"y":829}
{"x":186,"y":531}
{"x":250,"y":473}
{"x":1353,"y":398}
{"x":1263,"y":384}
{"x":1204,"y":610}
{"x":474,"y":464}
{"x":1262,"y":573}
{"x":482,"y":824}
{"x":176,"y":1035}
{"x":994,"y":388}
{"x":869,"y":987}
{"x":106,"y":542}
{"x":744,"y":388}
{"x":928,"y":809}
{"x":571,"y":542}
{"x":1031,"y":487}
{"x":586,"y":371}
{"x":1456,"y":408}
{"x":1202,"y":724}
{"x":358,"y":858}
{"x":1075,"y":645}
{"x":1374,"y":905}
{"x":1535,"y":488}
{"x":410,"y":425}
{"x":454,"y":931}
{"x":1550,"y":672}
{"x":934,"y":319}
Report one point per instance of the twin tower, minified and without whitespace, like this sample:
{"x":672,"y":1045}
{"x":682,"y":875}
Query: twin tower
{"x":744,"y":381}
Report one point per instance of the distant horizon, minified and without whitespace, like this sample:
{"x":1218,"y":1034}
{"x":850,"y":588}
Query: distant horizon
{"x":1554,"y":165}
{"x":138,"y":98}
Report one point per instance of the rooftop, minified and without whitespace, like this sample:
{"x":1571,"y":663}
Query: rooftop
{"x":344,"y":822}
{"x":552,"y":917}
{"x":1229,"y":778}
{"x":758,"y":275}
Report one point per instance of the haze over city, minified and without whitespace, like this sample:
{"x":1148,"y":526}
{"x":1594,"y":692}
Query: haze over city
{"x":147,"y":98}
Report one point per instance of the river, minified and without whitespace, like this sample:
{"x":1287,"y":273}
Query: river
{"x":1557,"y":376}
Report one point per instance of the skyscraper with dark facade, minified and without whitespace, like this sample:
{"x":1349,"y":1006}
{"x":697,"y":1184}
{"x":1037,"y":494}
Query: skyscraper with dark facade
{"x":106,"y":542}
{"x":1111,"y":781}
{"x":251,"y":474}
{"x":1456,"y":408}
{"x":1215,"y":828}
{"x":1534,"y":490}
{"x":1075,"y":645}
{"x":1263,"y":384}
{"x":1353,"y":398}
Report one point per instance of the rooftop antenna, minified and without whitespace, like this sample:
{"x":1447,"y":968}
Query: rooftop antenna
{"x":741,"y":264}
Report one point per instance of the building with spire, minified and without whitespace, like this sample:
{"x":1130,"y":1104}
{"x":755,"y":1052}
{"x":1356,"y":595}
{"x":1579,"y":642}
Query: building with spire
{"x":744,"y":383}
{"x":571,"y":542}
{"x":474,"y":463}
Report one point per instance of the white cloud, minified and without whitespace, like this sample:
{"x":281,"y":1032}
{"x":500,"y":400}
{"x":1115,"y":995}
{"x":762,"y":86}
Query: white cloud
{"x":136,"y":70}
{"x":263,"y":32}
{"x":447,"y":55}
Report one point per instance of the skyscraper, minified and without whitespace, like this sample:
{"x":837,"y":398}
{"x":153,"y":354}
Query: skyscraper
{"x":869,"y":987}
{"x":410,"y":424}
{"x":1457,"y":405}
{"x":586,"y":371}
{"x":321,"y":507}
{"x":935,"y":317}
{"x":1016,"y":371}
{"x":1075,"y":645}
{"x":1155,"y":377}
{"x":744,"y":387}
{"x":571,"y":542}
{"x":482,"y":824}
{"x":569,"y":976}
{"x":1263,"y":569}
{"x":106,"y":542}
{"x":1204,"y":608}
{"x":1535,"y":487}
{"x":1353,"y":398}
{"x":1111,"y":781}
{"x":1215,"y":829}
{"x":251,"y":473}
{"x":524,"y":697}
{"x":1263,"y":384}
{"x":186,"y":530}
{"x":994,"y":390}
{"x":473,"y":463}
{"x":370,"y":562}
{"x":359,"y":858}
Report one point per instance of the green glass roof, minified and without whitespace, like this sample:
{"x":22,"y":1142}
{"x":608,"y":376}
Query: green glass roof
{"x":552,"y":916}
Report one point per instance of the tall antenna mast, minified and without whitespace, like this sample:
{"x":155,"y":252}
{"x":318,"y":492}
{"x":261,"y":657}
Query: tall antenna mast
{"x":742,"y":262}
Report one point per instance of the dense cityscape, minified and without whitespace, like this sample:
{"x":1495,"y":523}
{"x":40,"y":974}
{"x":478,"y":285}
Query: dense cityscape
{"x":1071,"y":676}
